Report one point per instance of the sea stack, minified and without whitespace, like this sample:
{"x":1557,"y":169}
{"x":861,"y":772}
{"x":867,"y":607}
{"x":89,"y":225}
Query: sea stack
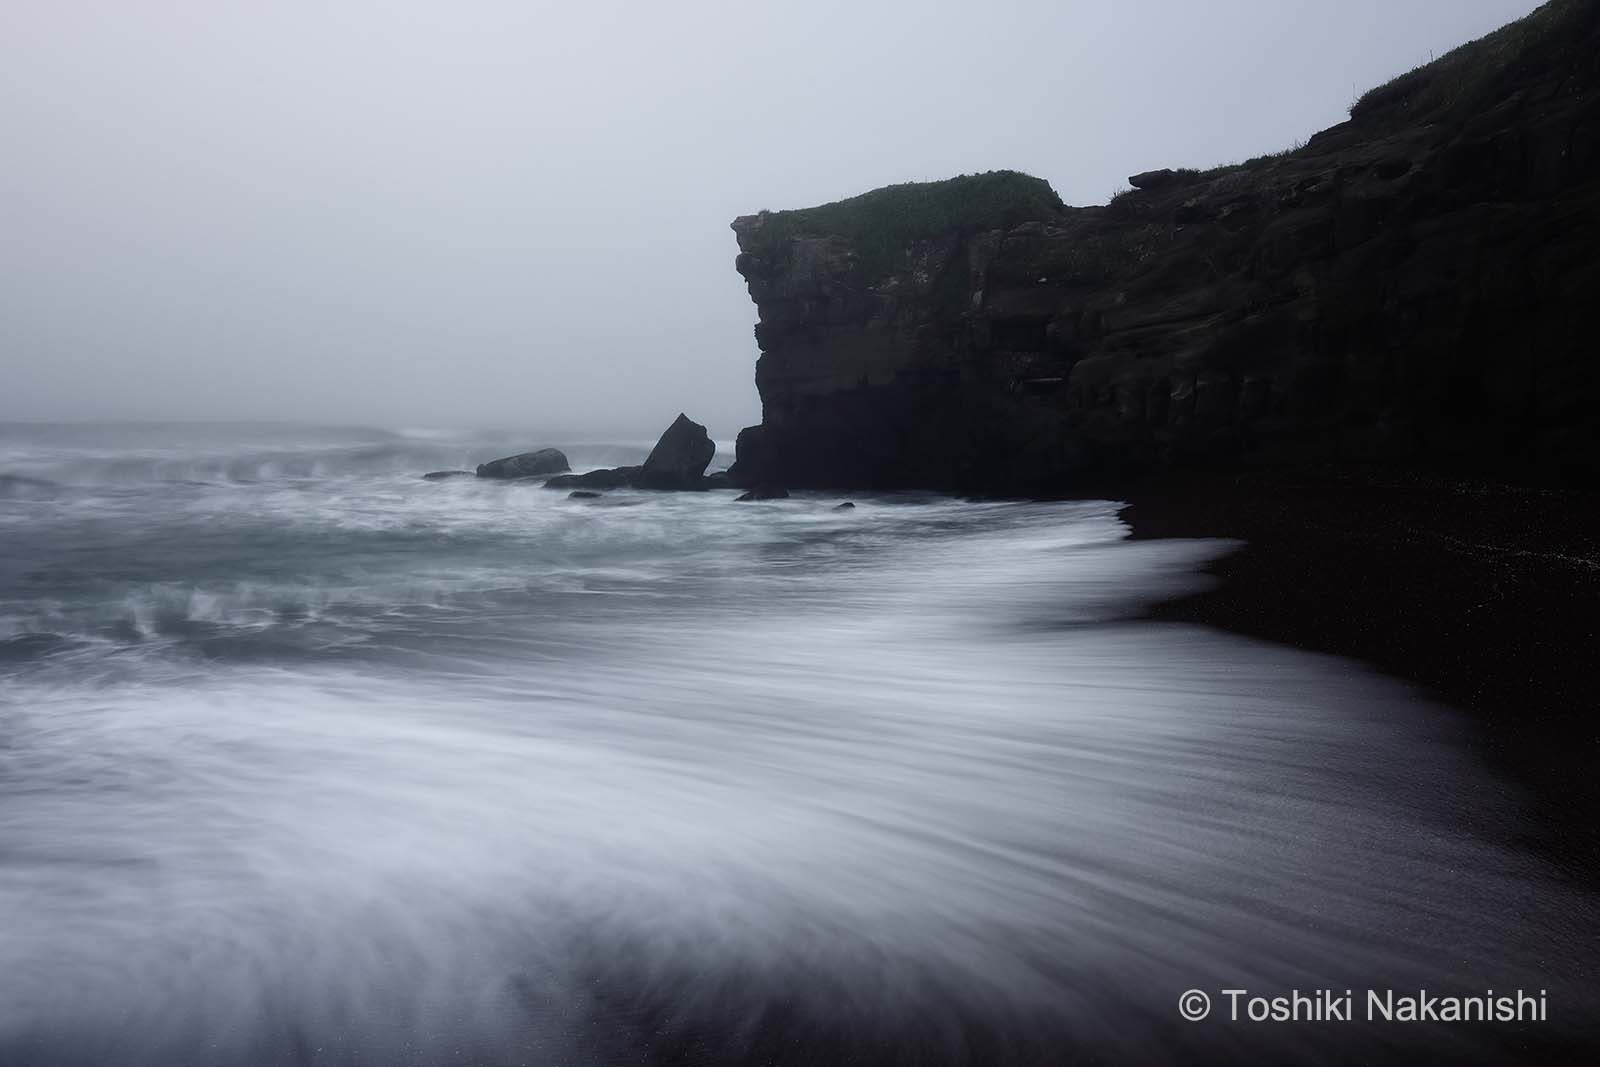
{"x":680,"y":457}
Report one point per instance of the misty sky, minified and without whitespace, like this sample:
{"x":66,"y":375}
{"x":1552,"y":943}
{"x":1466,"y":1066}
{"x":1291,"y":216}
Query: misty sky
{"x":486,"y":212}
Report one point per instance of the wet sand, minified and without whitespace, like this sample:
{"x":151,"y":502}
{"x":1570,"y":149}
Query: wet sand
{"x":1485,"y":595}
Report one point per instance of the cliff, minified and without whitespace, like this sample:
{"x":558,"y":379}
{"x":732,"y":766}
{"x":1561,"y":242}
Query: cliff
{"x":1417,"y":284}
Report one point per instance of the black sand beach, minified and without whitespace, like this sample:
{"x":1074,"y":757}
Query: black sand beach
{"x":1486,"y":595}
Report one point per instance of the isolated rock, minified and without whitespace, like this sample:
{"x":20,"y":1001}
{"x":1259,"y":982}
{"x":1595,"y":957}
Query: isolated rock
{"x":763,"y":492}
{"x":1155,"y":179}
{"x":583,"y":494}
{"x":526,"y":464}
{"x":605,"y":478}
{"x":846,"y":506}
{"x":679,"y":459}
{"x":439,"y":476}
{"x":677,"y":462}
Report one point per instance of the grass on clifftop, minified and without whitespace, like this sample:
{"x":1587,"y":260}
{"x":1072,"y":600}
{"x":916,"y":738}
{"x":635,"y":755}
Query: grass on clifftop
{"x":1473,"y":76}
{"x":1459,"y":83}
{"x":883,"y":222}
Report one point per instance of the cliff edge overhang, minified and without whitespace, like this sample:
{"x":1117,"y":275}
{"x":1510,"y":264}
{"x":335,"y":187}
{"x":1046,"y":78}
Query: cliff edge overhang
{"x":1413,"y":284}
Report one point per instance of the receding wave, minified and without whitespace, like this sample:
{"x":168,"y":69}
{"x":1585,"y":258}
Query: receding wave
{"x":371,"y":770}
{"x":17,"y":486}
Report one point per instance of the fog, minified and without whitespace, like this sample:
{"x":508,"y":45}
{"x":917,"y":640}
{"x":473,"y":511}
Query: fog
{"x":516,"y":213}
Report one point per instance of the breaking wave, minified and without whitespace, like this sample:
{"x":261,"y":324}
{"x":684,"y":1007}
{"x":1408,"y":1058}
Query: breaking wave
{"x":355,"y":768}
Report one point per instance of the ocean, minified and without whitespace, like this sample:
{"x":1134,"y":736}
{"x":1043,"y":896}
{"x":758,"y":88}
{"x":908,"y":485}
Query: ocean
{"x":304,"y":759}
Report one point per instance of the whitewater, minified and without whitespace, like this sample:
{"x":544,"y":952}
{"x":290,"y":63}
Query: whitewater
{"x":304,"y":759}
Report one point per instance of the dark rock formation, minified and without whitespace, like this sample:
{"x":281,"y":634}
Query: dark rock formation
{"x":607,"y":478}
{"x":719,"y":480}
{"x":525,"y":465}
{"x":751,"y":445}
{"x":763,"y":492}
{"x":583,"y":494}
{"x":439,"y":476}
{"x":679,"y":459}
{"x":1163,"y":179}
{"x":846,"y":506}
{"x":1414,"y":285}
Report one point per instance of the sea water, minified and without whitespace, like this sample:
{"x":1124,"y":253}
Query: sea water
{"x":304,"y":759}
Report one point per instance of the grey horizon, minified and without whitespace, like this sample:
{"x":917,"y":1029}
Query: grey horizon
{"x":517,"y":215}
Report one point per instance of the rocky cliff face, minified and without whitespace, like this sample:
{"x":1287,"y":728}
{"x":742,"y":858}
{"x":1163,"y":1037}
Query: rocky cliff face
{"x":1419,"y":283}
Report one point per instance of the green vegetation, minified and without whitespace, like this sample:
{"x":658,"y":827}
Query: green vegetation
{"x":1469,"y":78}
{"x":1461,"y":82}
{"x":1192,"y":175}
{"x":880,"y":224}
{"x":1253,"y":161}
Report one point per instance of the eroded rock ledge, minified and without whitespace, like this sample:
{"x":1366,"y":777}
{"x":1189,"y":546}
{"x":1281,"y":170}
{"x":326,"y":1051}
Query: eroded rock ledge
{"x":1415,"y":284}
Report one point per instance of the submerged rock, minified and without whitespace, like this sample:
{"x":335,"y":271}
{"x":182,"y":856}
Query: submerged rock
{"x":583,"y":494}
{"x":526,"y":464}
{"x":439,"y":476}
{"x":846,"y":506}
{"x":680,"y":457}
{"x":719,"y":480}
{"x":763,"y":492}
{"x":605,"y":478}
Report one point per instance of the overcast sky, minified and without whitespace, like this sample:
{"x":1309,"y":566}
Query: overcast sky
{"x":507,"y":212}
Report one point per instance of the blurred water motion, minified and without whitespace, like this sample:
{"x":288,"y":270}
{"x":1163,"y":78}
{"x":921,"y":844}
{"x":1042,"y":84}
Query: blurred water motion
{"x":303,"y":759}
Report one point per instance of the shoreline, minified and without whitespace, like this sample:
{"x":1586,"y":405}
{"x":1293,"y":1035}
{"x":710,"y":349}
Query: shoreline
{"x":1448,"y":584}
